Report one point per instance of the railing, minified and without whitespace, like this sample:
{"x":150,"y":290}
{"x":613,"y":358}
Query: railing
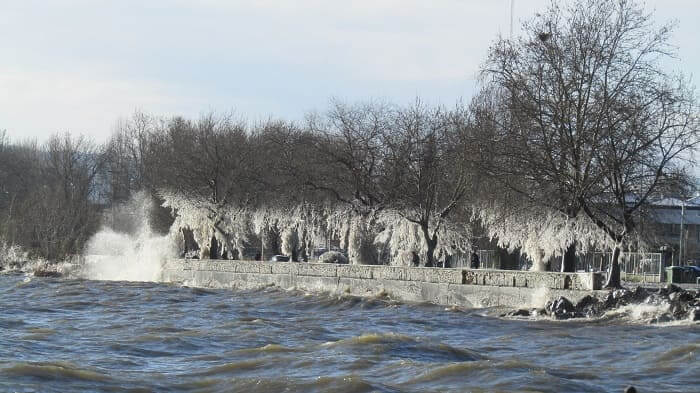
{"x":488,"y":259}
{"x":634,"y":266}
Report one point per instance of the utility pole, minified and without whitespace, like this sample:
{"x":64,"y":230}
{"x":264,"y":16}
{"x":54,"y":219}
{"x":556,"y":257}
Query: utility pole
{"x":680,"y":241}
{"x":512,"y":8}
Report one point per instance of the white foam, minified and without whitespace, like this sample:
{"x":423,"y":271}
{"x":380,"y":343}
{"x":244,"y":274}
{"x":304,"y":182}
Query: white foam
{"x":639,"y":312}
{"x":540,"y":297}
{"x":137,"y":256}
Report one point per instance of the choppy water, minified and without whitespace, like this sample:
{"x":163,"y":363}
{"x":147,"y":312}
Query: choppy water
{"x":76,"y":335}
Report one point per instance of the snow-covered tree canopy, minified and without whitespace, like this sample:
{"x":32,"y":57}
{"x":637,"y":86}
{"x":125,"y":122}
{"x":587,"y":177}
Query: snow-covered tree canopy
{"x":539,"y":233}
{"x":376,"y":179}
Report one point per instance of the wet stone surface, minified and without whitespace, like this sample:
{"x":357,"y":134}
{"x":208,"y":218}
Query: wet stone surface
{"x":679,"y":304}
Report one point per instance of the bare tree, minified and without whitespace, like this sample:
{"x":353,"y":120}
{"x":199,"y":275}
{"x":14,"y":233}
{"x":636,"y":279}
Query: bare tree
{"x":51,"y":206}
{"x":346,"y":163}
{"x":642,"y":158}
{"x":348,"y":152}
{"x":126,"y":154}
{"x":426,"y":177}
{"x":564,"y":93}
{"x":20,"y":174}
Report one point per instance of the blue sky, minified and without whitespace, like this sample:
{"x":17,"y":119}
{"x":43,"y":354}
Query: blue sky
{"x":79,"y":65}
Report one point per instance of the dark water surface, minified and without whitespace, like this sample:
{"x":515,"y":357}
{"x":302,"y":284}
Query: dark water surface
{"x":75,"y":335}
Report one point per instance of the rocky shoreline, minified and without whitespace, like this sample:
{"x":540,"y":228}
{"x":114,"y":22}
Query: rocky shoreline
{"x":679,"y":304}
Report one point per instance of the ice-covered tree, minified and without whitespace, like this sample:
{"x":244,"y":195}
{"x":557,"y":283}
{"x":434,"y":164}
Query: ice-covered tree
{"x":582,"y":90}
{"x":427,"y":176}
{"x":539,"y":233}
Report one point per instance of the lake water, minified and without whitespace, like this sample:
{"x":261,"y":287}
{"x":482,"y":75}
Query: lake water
{"x":62,"y":335}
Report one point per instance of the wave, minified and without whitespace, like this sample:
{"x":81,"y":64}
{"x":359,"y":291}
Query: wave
{"x":335,"y":384}
{"x":371,"y":338}
{"x":323,"y":301}
{"x":45,"y":269}
{"x":406,"y":347}
{"x":38,"y":334}
{"x":135,"y":255}
{"x":462,"y":369}
{"x":233,"y":367}
{"x":682,"y":354}
{"x":645,"y":313}
{"x":54,"y":371}
{"x":268,"y":348}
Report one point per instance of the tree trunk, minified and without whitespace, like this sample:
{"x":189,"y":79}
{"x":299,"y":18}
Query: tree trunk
{"x":432,"y":245}
{"x":568,"y":264}
{"x":538,"y":262}
{"x":214,"y":248}
{"x":614,"y":270}
{"x":430,"y":254}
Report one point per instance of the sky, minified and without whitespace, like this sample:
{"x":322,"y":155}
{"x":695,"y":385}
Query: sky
{"x":81,"y":65}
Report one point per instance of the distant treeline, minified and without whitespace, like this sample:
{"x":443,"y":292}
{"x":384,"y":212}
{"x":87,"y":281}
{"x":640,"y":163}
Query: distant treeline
{"x":576,"y":129}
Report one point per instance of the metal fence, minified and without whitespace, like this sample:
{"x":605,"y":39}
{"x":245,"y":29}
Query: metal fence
{"x":488,"y":259}
{"x":635,"y":266}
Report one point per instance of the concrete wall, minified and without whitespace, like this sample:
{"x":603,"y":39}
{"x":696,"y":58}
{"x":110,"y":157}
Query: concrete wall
{"x":459,"y":287}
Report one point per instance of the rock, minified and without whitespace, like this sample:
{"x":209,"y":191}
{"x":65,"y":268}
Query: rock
{"x":519,"y":313}
{"x":561,"y":308}
{"x":617,"y":297}
{"x":669,"y":289}
{"x":694,"y":314}
{"x":630,"y":389}
{"x":622,"y":294}
{"x":678,"y":310}
{"x":640,"y":293}
{"x":682,"y":296}
{"x":589,"y":306}
{"x":685,"y":296}
{"x":665,"y":317}
{"x":586,"y":302}
{"x":47,"y":273}
{"x":654,"y":299}
{"x":609,"y":300}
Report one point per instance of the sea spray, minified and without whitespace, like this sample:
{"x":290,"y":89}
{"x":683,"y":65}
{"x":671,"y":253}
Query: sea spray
{"x":540,"y":297}
{"x":14,"y":259}
{"x":640,"y":312}
{"x":136,"y":254}
{"x":11,"y":255}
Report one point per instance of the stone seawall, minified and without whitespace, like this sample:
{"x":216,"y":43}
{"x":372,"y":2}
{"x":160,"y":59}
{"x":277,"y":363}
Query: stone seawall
{"x":458,"y":287}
